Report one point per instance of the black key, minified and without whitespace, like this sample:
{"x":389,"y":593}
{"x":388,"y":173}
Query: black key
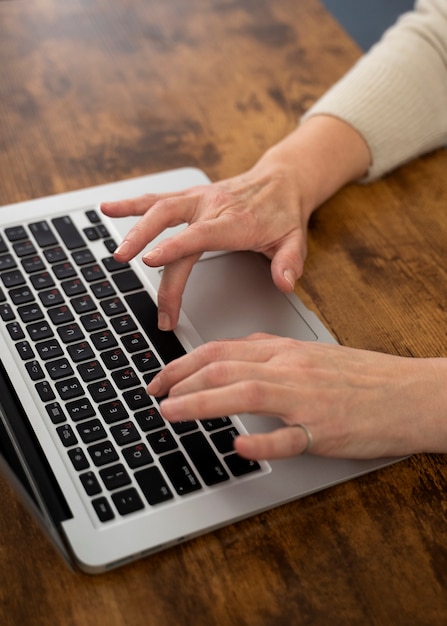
{"x":125,"y":433}
{"x":127,"y":501}
{"x":30,"y":312}
{"x":80,"y":409}
{"x":113,"y":411}
{"x":55,"y":255}
{"x":165,"y":342}
{"x":90,"y":483}
{"x":67,"y":435}
{"x":60,"y":368}
{"x":103,"y":340}
{"x":123,"y":324}
{"x":92,"y":216}
{"x":64,"y":270}
{"x":7,"y":262}
{"x":68,"y":389}
{"x":83,"y":304}
{"x":224,"y":439}
{"x":134,"y":342}
{"x":91,"y":431}
{"x":125,"y":378}
{"x":92,"y":370}
{"x":21,"y":295}
{"x":25,"y":350}
{"x":73,"y":287}
{"x":80,"y":351}
{"x":239,"y":466}
{"x":55,"y":412}
{"x":103,"y":509}
{"x":215,"y":423}
{"x":180,"y":428}
{"x":49,"y":349}
{"x":51,"y":297}
{"x":45,"y":391}
{"x":180,"y":473}
{"x":102,"y":453}
{"x":78,"y":458}
{"x":162,"y":441}
{"x":39,"y":330}
{"x":137,"y":398}
{"x":114,"y":358}
{"x":146,"y":361}
{"x":204,"y":458}
{"x":114,"y":266}
{"x":43,"y":234}
{"x":6,"y":312}
{"x":3,"y":246}
{"x":68,"y":232}
{"x":91,"y":233}
{"x":33,"y":264}
{"x":102,"y":230}
{"x":34,"y":370}
{"x":70,"y":333}
{"x":83,"y":257}
{"x":2,"y":295}
{"x":137,"y":455}
{"x":149,"y":419}
{"x":153,"y":485}
{"x":111,"y":245}
{"x":113,"y":306}
{"x":24,"y":248}
{"x":103,"y":289}
{"x":102,"y":391}
{"x":92,"y":273}
{"x":13,"y":278}
{"x":15,"y":233}
{"x":43,"y":280}
{"x":15,"y":331}
{"x":115,"y":476}
{"x":61,"y":315}
{"x":127,"y":281}
{"x":93,"y":321}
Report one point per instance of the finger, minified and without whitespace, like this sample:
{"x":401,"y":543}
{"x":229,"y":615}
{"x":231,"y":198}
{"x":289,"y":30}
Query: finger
{"x":171,"y":289}
{"x":255,"y":347}
{"x":162,"y":215}
{"x":287,"y":264}
{"x":279,"y":444}
{"x":135,"y":206}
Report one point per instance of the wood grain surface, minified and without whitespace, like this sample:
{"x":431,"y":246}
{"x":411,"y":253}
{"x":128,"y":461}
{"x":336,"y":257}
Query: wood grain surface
{"x":93,"y":91}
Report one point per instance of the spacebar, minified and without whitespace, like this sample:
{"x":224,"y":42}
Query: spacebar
{"x":145,"y":310}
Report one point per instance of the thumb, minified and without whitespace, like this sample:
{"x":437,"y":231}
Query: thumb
{"x":287,"y":265}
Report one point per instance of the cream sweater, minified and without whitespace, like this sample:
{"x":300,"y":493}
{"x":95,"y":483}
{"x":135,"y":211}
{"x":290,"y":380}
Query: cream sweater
{"x":396,"y":95}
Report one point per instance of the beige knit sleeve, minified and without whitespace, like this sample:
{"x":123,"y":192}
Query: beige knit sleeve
{"x":396,"y":95}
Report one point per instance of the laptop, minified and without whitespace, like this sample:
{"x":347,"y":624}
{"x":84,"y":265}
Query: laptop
{"x":80,"y":440}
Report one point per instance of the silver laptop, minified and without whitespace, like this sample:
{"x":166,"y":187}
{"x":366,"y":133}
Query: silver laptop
{"x":109,"y":480}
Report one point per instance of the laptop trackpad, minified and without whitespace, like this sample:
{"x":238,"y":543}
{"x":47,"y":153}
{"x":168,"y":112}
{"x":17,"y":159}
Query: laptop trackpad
{"x":233,"y":295}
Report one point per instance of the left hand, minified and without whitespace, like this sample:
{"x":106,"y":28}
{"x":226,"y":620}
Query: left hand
{"x":356,"y":403}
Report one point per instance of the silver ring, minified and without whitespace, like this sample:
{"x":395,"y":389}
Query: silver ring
{"x":309,"y":436}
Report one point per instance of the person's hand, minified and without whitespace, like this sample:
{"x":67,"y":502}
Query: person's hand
{"x":356,"y":403}
{"x":267,"y":209}
{"x":260,"y":210}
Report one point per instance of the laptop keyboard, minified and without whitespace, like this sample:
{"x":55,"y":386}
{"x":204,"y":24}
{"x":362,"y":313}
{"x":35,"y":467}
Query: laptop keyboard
{"x":85,"y":331}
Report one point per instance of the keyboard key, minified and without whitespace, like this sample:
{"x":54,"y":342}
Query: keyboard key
{"x":125,"y":433}
{"x":6,"y":312}
{"x":25,"y":350}
{"x":91,"y":430}
{"x":114,"y":266}
{"x":123,"y":324}
{"x":127,"y":281}
{"x":49,"y":349}
{"x":137,"y":455}
{"x":153,"y":485}
{"x":92,"y":370}
{"x":113,"y":306}
{"x":70,"y":332}
{"x":51,"y":297}
{"x":30,"y":312}
{"x":64,"y":270}
{"x":73,"y":287}
{"x":24,"y":248}
{"x":78,"y":458}
{"x":68,"y":389}
{"x":83,"y":257}
{"x":113,"y":411}
{"x":102,"y":391}
{"x":180,"y":473}
{"x":103,"y":289}
{"x":68,"y":232}
{"x":80,"y":409}
{"x":45,"y":391}
{"x":204,"y":458}
{"x":15,"y":233}
{"x":137,"y":398}
{"x":102,"y":453}
{"x":80,"y":351}
{"x":13,"y":278}
{"x":146,"y":361}
{"x":103,"y":509}
{"x":92,"y":273}
{"x":93,"y":321}
{"x":67,"y":435}
{"x":115,"y":476}
{"x":34,"y":370}
{"x":127,"y":501}
{"x":39,"y":330}
{"x":149,"y":419}
{"x":61,"y":315}
{"x":224,"y":439}
{"x":21,"y":295}
{"x":7,"y":262}
{"x":90,"y":483}
{"x":15,"y":331}
{"x":33,"y":264}
{"x":55,"y":412}
{"x":83,"y":304}
{"x":60,"y":368}
{"x":162,"y":441}
{"x":125,"y":378}
{"x":92,"y":216}
{"x":134,"y":342}
{"x":180,"y":428}
{"x":55,"y":255}
{"x":43,"y":234}
{"x":215,"y":423}
{"x":103,"y":340}
{"x":239,"y":466}
{"x":114,"y":358}
{"x":43,"y":280}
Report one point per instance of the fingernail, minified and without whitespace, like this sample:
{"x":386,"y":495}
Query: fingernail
{"x":152,"y":254}
{"x":123,"y":248}
{"x":164,"y":323}
{"x":290,"y":278}
{"x":154,"y":386}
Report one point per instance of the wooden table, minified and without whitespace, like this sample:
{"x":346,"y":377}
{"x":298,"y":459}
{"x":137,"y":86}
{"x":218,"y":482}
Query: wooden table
{"x":97,"y":90}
